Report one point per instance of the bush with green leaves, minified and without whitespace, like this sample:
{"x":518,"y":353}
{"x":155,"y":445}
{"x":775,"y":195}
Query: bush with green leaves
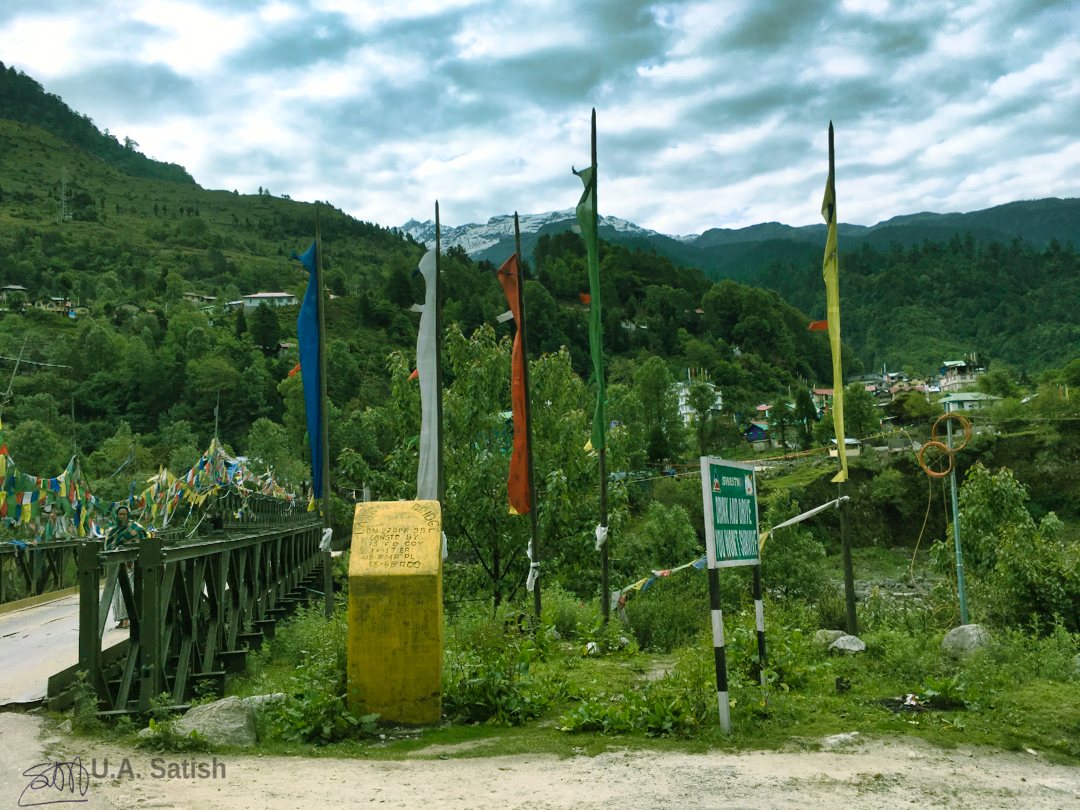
{"x":313,"y":650}
{"x":488,"y":668}
{"x":663,"y":538}
{"x":792,"y":561}
{"x":163,"y":734}
{"x":671,"y":612}
{"x":1023,"y":572}
{"x":84,"y":717}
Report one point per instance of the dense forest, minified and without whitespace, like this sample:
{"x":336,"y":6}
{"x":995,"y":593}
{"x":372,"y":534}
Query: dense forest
{"x":917,"y":306}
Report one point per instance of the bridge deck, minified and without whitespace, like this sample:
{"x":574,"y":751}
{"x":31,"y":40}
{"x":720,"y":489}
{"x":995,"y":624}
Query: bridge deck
{"x":39,"y":641}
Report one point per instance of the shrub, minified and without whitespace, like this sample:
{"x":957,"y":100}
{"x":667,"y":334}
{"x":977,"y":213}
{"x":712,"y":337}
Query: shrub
{"x":487,"y":669}
{"x":314,"y":650}
{"x":671,"y":612}
{"x":792,"y":561}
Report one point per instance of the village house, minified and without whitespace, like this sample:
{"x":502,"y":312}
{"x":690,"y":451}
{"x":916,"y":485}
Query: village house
{"x":273,"y":299}
{"x":967,"y":401}
{"x":957,"y":375}
{"x":12,"y":292}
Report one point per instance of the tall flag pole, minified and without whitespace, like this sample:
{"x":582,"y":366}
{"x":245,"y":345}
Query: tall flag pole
{"x":588,"y":220}
{"x":831,"y":273}
{"x":440,"y":298}
{"x":521,"y":481}
{"x":328,"y":581}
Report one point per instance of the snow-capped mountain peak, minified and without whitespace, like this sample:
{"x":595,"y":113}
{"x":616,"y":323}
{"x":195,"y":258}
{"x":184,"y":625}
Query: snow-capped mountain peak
{"x":475,"y":238}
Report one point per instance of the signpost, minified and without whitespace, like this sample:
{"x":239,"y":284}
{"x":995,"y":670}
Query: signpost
{"x":729,"y":495}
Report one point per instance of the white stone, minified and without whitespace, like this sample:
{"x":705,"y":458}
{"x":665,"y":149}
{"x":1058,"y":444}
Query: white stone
{"x":228,"y":721}
{"x":848,"y":644}
{"x":963,"y":640}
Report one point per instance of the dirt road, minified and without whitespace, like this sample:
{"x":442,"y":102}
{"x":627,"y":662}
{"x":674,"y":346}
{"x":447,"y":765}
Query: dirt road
{"x":855,"y":775}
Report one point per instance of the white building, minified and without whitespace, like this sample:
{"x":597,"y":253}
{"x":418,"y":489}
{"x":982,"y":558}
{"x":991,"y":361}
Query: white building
{"x":682,"y":391}
{"x":274,"y":299}
{"x":967,"y":401}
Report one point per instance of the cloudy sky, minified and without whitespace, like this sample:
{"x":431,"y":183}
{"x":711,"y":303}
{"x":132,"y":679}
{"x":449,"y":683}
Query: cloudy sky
{"x":710,"y":114}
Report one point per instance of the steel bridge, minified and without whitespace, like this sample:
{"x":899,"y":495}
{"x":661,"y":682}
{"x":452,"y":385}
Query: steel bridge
{"x":197,"y":605}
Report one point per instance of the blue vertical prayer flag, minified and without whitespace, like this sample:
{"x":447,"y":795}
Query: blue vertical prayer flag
{"x":307,"y":332}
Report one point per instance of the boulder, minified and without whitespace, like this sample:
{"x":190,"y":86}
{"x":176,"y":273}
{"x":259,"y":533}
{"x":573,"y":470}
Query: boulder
{"x":826,"y":637}
{"x":228,"y":721}
{"x":963,"y":640}
{"x":848,"y":644}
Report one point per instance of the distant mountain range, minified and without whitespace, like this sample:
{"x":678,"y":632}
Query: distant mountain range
{"x":742,"y":253}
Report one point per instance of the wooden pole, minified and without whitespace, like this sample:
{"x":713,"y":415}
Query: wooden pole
{"x":441,"y":487}
{"x":841,"y":455}
{"x":534,"y":542}
{"x":605,"y":587}
{"x":327,"y":559}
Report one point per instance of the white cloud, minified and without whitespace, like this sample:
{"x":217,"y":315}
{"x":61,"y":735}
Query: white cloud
{"x":710,"y":114}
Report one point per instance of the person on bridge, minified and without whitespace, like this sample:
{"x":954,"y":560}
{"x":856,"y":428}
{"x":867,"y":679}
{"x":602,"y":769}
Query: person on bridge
{"x":125,"y":532}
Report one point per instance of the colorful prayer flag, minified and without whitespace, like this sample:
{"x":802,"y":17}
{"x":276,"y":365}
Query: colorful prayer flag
{"x":818,"y":326}
{"x":517,"y":484}
{"x":831,"y":272}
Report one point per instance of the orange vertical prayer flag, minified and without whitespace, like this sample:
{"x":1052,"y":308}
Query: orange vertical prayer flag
{"x":517,"y":485}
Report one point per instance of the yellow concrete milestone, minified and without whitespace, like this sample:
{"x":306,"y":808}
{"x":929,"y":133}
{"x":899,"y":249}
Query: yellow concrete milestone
{"x":395,"y":612}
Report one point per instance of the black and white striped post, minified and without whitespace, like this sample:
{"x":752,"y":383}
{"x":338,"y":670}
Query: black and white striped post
{"x":719,"y":652}
{"x":729,"y":498}
{"x":759,"y":619}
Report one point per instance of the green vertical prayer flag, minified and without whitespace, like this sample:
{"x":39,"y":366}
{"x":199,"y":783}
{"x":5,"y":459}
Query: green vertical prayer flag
{"x":586,"y":215}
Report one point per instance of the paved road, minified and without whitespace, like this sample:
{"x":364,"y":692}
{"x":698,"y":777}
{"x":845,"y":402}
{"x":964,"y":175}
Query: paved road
{"x":39,"y":641}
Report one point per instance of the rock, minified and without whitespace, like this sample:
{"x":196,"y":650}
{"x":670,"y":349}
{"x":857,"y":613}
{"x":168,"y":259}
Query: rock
{"x":624,"y":642}
{"x":228,"y":721}
{"x":1076,"y":668}
{"x":259,"y":702}
{"x":963,"y":640}
{"x":65,"y":727}
{"x":145,"y":733}
{"x":592,"y":648}
{"x":824,"y":638}
{"x":837,"y":740}
{"x":848,"y":644}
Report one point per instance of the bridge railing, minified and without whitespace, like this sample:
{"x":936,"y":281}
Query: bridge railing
{"x":28,"y":569}
{"x":195,"y":606}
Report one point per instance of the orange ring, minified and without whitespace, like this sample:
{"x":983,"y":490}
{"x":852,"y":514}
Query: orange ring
{"x":965,"y":425}
{"x":945,"y":450}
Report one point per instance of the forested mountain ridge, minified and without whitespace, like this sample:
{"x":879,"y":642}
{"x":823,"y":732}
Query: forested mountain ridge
{"x":23,"y":99}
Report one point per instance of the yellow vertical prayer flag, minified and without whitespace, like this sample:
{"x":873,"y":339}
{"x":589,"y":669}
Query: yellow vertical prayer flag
{"x":831,"y":272}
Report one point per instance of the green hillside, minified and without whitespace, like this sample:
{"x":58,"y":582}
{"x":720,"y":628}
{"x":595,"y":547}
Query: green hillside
{"x":145,"y":373}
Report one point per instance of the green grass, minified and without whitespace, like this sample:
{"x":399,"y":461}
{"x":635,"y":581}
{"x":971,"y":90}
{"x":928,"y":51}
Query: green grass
{"x":796,"y":476}
{"x":1014,"y":695}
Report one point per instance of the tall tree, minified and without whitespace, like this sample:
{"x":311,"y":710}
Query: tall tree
{"x":265,"y":330}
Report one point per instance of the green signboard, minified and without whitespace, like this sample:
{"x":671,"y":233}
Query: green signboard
{"x":729,"y":493}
